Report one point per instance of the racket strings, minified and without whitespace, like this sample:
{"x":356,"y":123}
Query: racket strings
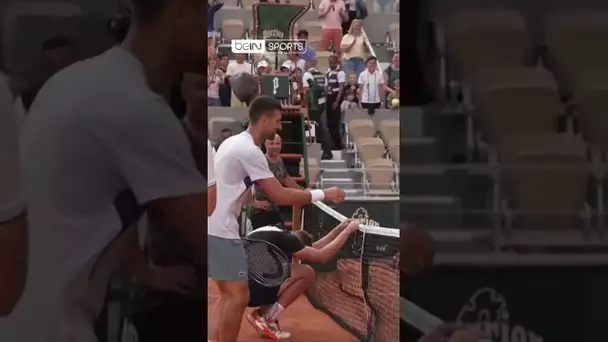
{"x":267,"y":264}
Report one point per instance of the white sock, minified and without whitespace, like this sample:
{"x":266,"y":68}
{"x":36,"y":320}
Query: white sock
{"x":272,"y":314}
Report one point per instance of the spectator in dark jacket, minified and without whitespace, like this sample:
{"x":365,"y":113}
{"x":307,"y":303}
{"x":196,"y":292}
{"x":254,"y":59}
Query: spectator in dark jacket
{"x":217,"y":5}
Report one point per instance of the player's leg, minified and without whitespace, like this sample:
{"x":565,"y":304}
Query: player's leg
{"x":228,"y":269}
{"x":302,"y":277}
{"x":263,"y":297}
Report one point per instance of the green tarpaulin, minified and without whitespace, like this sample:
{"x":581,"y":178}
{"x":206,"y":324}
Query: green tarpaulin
{"x":276,"y":21}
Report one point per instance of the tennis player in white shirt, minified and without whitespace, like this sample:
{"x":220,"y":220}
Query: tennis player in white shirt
{"x":239,"y":163}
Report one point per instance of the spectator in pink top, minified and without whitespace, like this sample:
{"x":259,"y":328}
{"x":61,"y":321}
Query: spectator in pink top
{"x":332,"y":13}
{"x":215,"y":78}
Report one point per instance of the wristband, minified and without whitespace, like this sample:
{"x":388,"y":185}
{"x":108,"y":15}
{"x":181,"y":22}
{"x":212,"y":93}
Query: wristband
{"x":317,"y":195}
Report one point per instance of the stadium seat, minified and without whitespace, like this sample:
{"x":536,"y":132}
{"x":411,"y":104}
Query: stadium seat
{"x":393,"y":148}
{"x":314,"y":43}
{"x":477,"y":38}
{"x":545,"y":197}
{"x":232,"y":29}
{"x":370,"y":148}
{"x":515,"y":100}
{"x":393,"y":33}
{"x":591,"y":98}
{"x":323,"y":60}
{"x":314,"y":29}
{"x":389,"y":129}
{"x":576,"y":41}
{"x":232,"y":3}
{"x":360,"y":128}
{"x":380,"y":175}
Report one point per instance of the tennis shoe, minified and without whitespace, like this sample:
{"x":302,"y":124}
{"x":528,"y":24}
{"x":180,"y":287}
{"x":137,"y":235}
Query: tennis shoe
{"x":269,"y":330}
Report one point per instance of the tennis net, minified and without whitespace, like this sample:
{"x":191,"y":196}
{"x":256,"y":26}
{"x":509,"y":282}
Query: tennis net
{"x":359,"y":288}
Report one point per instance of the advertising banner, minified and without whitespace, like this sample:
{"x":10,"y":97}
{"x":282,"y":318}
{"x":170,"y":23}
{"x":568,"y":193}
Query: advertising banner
{"x":517,"y":304}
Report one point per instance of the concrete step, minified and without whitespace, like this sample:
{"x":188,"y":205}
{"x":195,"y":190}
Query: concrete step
{"x":338,"y":173}
{"x":333,"y":164}
{"x":343,"y":183}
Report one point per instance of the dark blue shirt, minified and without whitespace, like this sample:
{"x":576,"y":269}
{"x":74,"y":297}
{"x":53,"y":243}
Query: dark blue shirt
{"x":211,"y":15}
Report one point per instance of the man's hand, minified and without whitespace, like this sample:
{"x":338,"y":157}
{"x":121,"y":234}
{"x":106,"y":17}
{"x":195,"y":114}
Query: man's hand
{"x":262,"y":205}
{"x":334,"y":194}
{"x":179,"y":279}
{"x":352,"y":227}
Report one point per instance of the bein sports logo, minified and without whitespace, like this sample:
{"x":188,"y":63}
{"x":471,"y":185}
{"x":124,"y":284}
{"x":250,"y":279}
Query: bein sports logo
{"x":488,"y":309}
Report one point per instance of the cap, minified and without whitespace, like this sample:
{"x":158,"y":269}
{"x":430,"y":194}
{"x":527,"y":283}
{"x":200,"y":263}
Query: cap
{"x":262,"y":64}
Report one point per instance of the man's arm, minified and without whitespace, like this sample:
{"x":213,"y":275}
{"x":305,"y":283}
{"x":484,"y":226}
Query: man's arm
{"x":256,"y":166}
{"x":152,"y":152}
{"x":331,"y":235}
{"x":330,"y":250}
{"x":211,"y":188}
{"x":324,"y":9}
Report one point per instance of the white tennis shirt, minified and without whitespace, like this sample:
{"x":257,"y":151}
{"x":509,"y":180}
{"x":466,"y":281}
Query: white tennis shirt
{"x":94,"y":130}
{"x":370,"y":86}
{"x":239,"y":162}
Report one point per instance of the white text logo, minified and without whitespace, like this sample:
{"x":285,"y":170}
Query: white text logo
{"x":248,"y":46}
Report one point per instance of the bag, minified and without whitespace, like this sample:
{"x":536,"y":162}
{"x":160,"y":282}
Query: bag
{"x":244,"y":86}
{"x":361,"y":10}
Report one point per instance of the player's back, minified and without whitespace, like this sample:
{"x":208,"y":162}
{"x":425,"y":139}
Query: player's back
{"x":76,"y":149}
{"x":233,"y":183}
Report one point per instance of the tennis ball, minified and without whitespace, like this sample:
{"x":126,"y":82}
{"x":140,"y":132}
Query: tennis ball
{"x":417,"y":250}
{"x":395,"y":103}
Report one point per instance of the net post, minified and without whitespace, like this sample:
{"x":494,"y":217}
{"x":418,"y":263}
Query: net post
{"x":296,"y":222}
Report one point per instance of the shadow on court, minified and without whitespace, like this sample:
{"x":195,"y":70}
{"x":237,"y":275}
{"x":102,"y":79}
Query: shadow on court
{"x":301,"y":319}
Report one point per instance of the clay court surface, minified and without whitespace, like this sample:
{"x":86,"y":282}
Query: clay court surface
{"x":301,"y":319}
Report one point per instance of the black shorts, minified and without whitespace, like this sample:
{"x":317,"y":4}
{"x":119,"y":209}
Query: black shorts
{"x":370,"y":105}
{"x":261,"y":295}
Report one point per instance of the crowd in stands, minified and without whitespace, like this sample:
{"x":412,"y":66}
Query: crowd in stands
{"x":342,"y":64}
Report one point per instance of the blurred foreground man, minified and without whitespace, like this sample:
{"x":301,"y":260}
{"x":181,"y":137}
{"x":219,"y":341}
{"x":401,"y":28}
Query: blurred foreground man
{"x":13,"y":232}
{"x":97,"y":129}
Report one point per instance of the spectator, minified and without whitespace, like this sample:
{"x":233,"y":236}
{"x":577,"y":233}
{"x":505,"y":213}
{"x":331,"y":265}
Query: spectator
{"x":296,"y":86}
{"x":263,"y":68}
{"x":354,"y":49}
{"x":57,"y":53}
{"x":211,"y":11}
{"x":372,"y":86}
{"x":349,"y":102}
{"x":215,"y":78}
{"x":294,"y":61}
{"x":310,"y":52}
{"x":225,"y":133}
{"x":356,"y":10}
{"x":240,"y":65}
{"x":336,"y":79}
{"x":391,"y":73}
{"x":224,"y":86}
{"x":331,"y":14}
{"x":264,"y":212}
{"x":394,"y":95}
{"x":314,"y":84}
{"x":352,"y":86}
{"x":13,"y":228}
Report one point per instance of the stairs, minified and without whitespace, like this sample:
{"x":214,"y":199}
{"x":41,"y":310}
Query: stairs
{"x":337,"y":173}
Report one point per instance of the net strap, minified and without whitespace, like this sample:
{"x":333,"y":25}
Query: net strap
{"x":389,"y":232}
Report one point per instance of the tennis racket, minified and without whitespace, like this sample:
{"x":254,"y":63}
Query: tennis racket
{"x":267,"y":264}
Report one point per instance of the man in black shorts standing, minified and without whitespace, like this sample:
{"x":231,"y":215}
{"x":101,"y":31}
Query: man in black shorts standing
{"x":299,"y":244}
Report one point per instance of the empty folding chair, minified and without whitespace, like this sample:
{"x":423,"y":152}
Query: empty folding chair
{"x":370,"y":148}
{"x":515,"y":99}
{"x":232,"y":29}
{"x":389,"y":129}
{"x":360,"y":128}
{"x":546,"y":178}
{"x":591,"y":98}
{"x":393,"y":149}
{"x":486,"y":37}
{"x":576,"y":41}
{"x":380,"y":176}
{"x":393,"y":33}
